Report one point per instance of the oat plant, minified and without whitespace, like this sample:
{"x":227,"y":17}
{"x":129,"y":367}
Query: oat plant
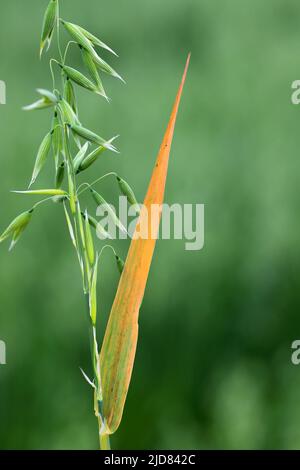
{"x":75,"y":149}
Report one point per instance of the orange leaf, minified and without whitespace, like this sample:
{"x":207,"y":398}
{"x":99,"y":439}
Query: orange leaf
{"x":120,"y":340}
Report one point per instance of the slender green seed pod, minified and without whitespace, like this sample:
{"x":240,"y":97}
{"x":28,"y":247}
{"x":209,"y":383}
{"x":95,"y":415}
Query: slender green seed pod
{"x":60,"y":173}
{"x":67,"y":119}
{"x":97,"y":226}
{"x":43,"y":192}
{"x":127,"y":191}
{"x":69,"y":95}
{"x":48,"y":41}
{"x":80,"y":79}
{"x":16,"y":236}
{"x":100,"y":201}
{"x":120,"y":264}
{"x":48,"y":100}
{"x":93,"y":293}
{"x":77,"y":141}
{"x":48,"y":25}
{"x":90,"y":159}
{"x":87,"y":134}
{"x":78,"y":35}
{"x":95,"y":41}
{"x":72,"y":194}
{"x":57,"y":199}
{"x":37,"y":105}
{"x":41,"y":156}
{"x":17,"y":226}
{"x":80,"y":225}
{"x":105,"y":67}
{"x":48,"y":95}
{"x":89,"y":240}
{"x":67,"y":113}
{"x":80,"y":157}
{"x":70,"y":227}
{"x":93,"y":222}
{"x":56,"y":140}
{"x":93,"y":71}
{"x":85,"y":259}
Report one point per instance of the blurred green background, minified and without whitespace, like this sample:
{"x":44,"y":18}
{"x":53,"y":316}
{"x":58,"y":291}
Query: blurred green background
{"x":213,"y":367}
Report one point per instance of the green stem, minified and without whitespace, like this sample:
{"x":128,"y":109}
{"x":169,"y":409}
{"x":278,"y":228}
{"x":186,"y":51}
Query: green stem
{"x":66,"y":50}
{"x":89,"y":185}
{"x":104,"y":442}
{"x":103,"y":437}
{"x":58,"y":33}
{"x":52,"y":73}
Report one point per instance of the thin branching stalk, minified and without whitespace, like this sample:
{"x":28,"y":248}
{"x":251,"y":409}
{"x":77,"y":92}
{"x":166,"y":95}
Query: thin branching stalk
{"x":69,"y":141}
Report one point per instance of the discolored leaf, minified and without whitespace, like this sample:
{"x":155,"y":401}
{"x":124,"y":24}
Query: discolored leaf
{"x":119,"y":345}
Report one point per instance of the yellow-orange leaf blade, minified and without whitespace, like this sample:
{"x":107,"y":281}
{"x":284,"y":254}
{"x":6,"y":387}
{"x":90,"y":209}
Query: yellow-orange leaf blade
{"x":120,"y":340}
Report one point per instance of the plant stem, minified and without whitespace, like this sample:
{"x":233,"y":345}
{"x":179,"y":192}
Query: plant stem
{"x":58,"y":33}
{"x":92,"y":333}
{"x":104,"y":442}
{"x":86,"y":265}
